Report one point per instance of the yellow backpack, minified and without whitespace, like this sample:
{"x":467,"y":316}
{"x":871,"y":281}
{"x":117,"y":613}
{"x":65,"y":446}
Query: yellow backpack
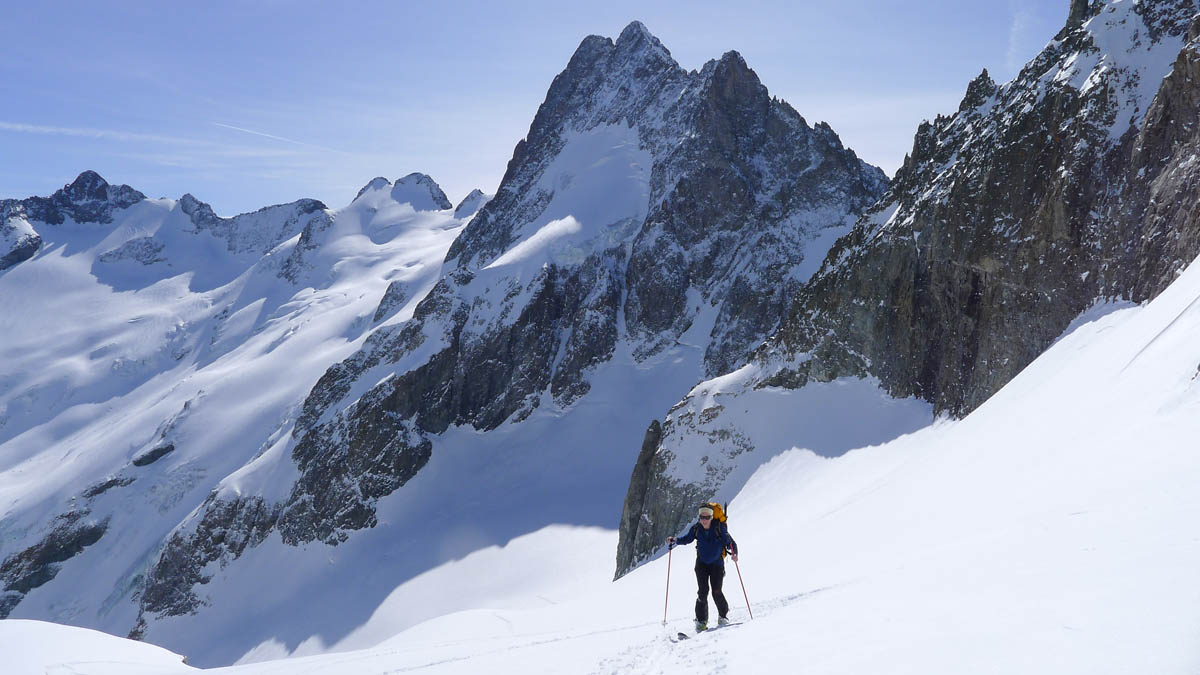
{"x":719,"y":516}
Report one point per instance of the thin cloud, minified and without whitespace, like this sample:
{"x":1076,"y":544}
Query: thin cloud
{"x":1020,"y":36}
{"x":277,"y":138}
{"x":106,"y":134}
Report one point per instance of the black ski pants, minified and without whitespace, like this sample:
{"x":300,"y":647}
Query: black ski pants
{"x":707,"y":575}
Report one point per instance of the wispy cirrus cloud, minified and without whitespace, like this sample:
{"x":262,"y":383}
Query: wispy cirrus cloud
{"x":188,"y":152}
{"x":105,"y":134}
{"x":277,"y":138}
{"x":1021,"y":39}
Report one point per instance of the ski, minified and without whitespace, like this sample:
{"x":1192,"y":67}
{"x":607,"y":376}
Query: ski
{"x":679,"y":637}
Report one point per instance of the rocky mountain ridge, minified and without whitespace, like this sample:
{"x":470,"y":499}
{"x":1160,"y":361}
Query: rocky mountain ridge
{"x":563,"y":316}
{"x":1035,"y":201}
{"x":87,"y":199}
{"x":648,"y":207}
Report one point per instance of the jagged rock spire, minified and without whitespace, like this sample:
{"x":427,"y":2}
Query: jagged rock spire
{"x":978,"y":91}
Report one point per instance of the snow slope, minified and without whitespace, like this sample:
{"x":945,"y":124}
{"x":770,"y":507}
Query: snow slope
{"x":201,"y":339}
{"x":1052,"y":530}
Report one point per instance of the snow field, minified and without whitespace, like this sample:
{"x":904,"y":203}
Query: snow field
{"x":1047,"y":532}
{"x":1052,"y":530}
{"x":127,"y":370}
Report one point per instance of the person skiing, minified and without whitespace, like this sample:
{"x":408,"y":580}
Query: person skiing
{"x":712,"y":539}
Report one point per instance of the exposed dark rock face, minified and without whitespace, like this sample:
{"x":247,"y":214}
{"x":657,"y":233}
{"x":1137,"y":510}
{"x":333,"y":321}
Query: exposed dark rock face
{"x":106,"y":485}
{"x":319,"y":507}
{"x":393,"y":298}
{"x":649,"y":512}
{"x":316,"y":222}
{"x":1162,"y":201}
{"x":28,"y":569}
{"x":154,"y":455}
{"x":1006,"y":221}
{"x":1082,"y":10}
{"x":1072,"y":184}
{"x":221,"y":535}
{"x":145,"y":250}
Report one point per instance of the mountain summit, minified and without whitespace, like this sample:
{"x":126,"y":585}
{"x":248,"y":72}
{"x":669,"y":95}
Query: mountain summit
{"x":650,"y":230}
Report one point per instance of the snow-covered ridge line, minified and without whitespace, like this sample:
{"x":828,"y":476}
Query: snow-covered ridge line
{"x":160,"y":354}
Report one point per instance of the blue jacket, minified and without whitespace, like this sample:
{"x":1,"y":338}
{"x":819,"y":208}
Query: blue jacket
{"x":709,"y":542}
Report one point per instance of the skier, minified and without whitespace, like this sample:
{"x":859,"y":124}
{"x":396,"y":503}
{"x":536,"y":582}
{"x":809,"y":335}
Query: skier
{"x":711,"y":541}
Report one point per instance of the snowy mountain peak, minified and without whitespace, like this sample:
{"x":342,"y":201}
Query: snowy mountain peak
{"x":88,"y":186}
{"x":635,"y":55}
{"x":636,"y":37}
{"x":90,"y":190}
{"x":376,"y":183}
{"x":636,"y":30}
{"x":87,"y":199}
{"x":421,"y":192}
{"x":471,"y":204}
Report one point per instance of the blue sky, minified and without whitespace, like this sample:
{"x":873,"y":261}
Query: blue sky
{"x":246,"y":104}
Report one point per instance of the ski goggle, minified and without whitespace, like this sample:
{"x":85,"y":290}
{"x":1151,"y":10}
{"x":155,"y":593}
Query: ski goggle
{"x":705,"y":517}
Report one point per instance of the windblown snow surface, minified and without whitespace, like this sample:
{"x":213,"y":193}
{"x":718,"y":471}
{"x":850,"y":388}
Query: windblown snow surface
{"x":1053,"y":530}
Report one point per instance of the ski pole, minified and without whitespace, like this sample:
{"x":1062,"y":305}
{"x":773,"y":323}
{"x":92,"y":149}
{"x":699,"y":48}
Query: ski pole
{"x":668,"y":596}
{"x":739,"y":571}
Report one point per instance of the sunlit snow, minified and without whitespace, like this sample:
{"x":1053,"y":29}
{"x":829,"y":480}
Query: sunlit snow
{"x":1052,"y":530}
